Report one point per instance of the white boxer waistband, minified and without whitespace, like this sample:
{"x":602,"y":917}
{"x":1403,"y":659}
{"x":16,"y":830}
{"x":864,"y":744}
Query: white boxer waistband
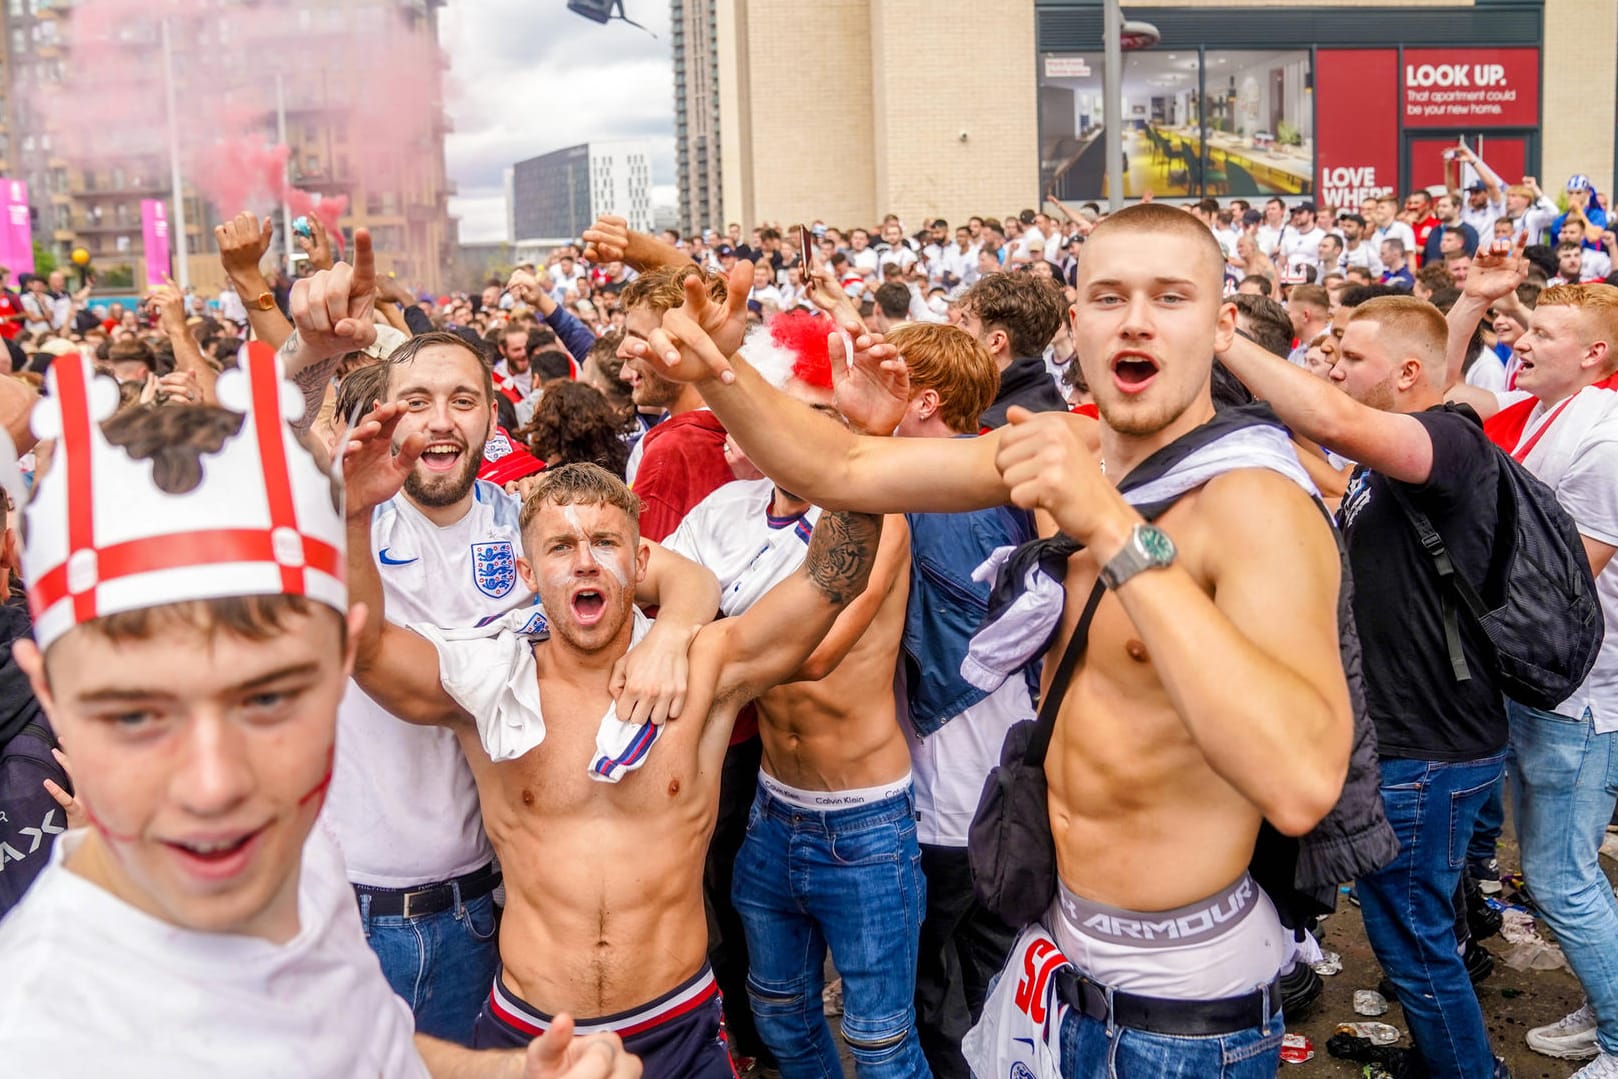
{"x":829,"y":801}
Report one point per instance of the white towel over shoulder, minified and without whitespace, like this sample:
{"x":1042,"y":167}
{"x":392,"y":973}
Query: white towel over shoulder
{"x":490,"y":671}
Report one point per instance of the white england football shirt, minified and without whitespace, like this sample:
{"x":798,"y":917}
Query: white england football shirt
{"x":402,"y":801}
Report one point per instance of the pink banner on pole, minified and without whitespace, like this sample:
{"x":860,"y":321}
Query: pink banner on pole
{"x":16,"y":231}
{"x":154,"y":227}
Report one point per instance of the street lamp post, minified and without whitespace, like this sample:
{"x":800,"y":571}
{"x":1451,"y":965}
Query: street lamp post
{"x":1118,"y":35}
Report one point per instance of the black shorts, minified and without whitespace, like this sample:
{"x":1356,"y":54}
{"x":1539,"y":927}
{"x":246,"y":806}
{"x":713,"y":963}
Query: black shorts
{"x":680,"y":1035}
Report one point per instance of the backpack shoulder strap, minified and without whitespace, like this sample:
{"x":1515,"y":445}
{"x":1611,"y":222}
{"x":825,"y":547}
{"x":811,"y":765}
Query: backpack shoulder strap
{"x":1045,"y":725}
{"x":1451,"y":583}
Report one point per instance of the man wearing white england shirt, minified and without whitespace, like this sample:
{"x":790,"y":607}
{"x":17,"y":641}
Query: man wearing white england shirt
{"x":403,"y":803}
{"x":1300,"y":244}
{"x":1567,"y":759}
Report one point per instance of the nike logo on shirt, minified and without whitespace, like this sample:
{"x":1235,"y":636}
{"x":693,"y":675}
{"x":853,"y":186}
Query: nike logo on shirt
{"x":382,"y":556}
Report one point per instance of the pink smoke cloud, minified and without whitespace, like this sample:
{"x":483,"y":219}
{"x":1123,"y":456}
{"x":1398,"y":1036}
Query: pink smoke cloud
{"x":366,"y":81}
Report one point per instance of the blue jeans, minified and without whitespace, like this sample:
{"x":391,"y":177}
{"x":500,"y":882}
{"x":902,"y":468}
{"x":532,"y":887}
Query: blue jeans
{"x":1410,"y":912}
{"x":1564,"y":786}
{"x":849,"y":879}
{"x":443,"y":965}
{"x":1089,"y":1051}
{"x":1491,"y":818}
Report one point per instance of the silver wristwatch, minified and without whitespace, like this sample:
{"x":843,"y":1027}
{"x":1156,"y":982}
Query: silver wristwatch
{"x":1149,"y":547}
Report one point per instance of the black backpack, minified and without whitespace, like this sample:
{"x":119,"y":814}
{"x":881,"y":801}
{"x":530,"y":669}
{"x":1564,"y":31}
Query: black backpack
{"x":1542,"y":615}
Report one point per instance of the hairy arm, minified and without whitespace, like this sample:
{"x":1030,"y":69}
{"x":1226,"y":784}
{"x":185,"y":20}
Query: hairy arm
{"x":820,"y":460}
{"x":762,"y":647}
{"x":1271,"y":628}
{"x":398,"y":669}
{"x":1396,"y":445}
{"x":892,"y":569}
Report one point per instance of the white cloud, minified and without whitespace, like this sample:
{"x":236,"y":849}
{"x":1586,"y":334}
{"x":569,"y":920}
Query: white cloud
{"x":527,"y":78}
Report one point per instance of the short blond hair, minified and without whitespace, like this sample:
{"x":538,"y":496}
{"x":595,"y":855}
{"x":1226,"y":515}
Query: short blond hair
{"x":579,"y":484}
{"x":1599,"y":300}
{"x":955,"y":365}
{"x":1415,"y":327}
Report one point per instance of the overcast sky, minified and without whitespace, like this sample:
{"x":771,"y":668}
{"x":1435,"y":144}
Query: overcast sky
{"x":528,"y":76}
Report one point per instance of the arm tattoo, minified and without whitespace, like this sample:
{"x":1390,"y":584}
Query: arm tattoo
{"x":841,"y":554}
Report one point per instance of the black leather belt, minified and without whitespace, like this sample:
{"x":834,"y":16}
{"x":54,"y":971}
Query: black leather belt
{"x":433,"y":899}
{"x":1154,"y":1015}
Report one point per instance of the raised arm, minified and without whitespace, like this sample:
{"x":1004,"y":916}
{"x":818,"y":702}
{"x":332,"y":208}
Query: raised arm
{"x":1270,"y":626}
{"x":1394,"y":444}
{"x":891,"y":568}
{"x":611,"y":239}
{"x":333,"y":314}
{"x":243,"y":241}
{"x":807,"y":452}
{"x":764,"y":646}
{"x":187,"y":353}
{"x":397,"y":668}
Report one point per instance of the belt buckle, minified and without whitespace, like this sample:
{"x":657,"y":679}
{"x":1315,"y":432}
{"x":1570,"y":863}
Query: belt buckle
{"x":410,"y":899}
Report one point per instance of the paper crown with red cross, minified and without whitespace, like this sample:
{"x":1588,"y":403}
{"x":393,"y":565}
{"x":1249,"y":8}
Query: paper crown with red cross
{"x":102,"y":538}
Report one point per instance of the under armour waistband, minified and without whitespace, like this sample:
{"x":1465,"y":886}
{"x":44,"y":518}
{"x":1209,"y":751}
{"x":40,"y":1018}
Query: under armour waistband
{"x":830,"y":801}
{"x":1194,"y":923}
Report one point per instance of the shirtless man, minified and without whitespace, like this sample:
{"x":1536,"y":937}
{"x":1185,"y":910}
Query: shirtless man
{"x":604,"y":911}
{"x":835,"y":778}
{"x":1159,"y":773}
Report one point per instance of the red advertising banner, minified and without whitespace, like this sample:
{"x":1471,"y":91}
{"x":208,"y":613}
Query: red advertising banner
{"x":1471,"y":88}
{"x":1356,"y":124}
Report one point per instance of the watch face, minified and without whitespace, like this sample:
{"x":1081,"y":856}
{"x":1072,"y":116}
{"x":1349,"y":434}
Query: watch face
{"x":1157,"y":544}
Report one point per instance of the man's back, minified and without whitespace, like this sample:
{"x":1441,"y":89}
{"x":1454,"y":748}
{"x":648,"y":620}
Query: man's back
{"x":1419,"y":707}
{"x":682,"y":462}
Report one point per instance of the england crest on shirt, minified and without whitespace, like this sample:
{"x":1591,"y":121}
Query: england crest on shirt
{"x":497,"y":446}
{"x":494,"y":568}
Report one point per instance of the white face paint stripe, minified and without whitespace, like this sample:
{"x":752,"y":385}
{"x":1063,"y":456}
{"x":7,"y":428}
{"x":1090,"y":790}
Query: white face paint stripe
{"x":608,"y":558}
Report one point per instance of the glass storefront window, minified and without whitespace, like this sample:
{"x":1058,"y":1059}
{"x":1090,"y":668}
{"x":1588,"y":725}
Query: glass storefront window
{"x":1194,"y":124}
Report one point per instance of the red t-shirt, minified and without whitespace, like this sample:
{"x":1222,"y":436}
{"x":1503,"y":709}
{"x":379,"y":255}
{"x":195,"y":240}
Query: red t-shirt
{"x":1086,"y":410}
{"x":10,"y":306}
{"x":682,"y":462}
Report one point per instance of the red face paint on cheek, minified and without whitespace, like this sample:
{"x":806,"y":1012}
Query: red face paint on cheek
{"x":95,"y":822}
{"x":319,"y":789}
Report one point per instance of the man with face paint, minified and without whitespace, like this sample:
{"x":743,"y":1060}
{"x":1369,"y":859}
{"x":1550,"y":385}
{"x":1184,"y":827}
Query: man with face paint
{"x":600,"y":825}
{"x":403,"y":802}
{"x":202,"y":924}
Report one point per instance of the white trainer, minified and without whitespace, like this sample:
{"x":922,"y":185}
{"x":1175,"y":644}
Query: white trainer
{"x":1573,"y":1037}
{"x":1604,"y":1066}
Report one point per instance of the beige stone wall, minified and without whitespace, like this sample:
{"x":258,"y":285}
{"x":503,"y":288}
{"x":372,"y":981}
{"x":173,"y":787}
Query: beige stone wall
{"x":1580,"y":61}
{"x":877,"y":126}
{"x":796,"y":147}
{"x":975,"y":77}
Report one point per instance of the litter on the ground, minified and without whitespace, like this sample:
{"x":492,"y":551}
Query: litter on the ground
{"x":1296,"y":1049}
{"x":1369,"y":1002}
{"x":1375,"y":1033}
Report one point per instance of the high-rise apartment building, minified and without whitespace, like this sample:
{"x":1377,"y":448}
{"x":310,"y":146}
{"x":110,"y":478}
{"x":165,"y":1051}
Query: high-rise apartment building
{"x":696,"y":113}
{"x":556,"y":196}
